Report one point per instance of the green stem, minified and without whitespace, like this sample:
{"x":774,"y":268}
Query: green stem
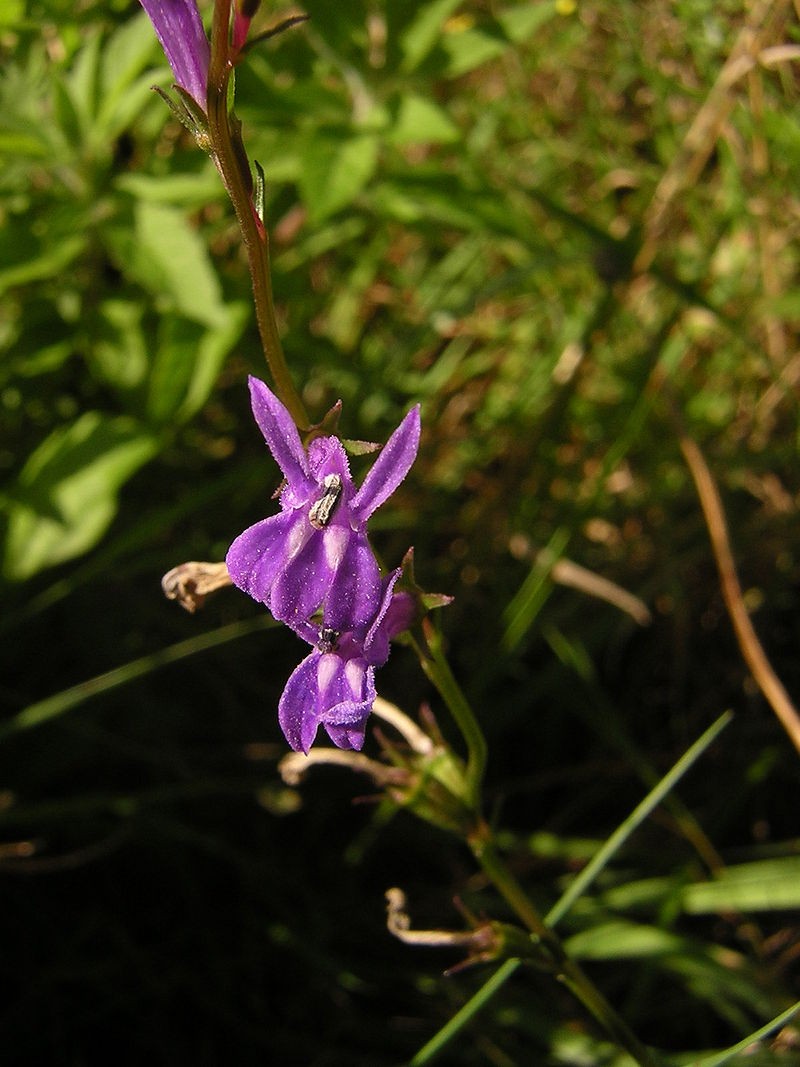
{"x":436,"y":667}
{"x":234,"y":170}
{"x":566,"y":969}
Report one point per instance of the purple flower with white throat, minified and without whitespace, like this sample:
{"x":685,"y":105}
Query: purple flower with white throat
{"x":180,"y":30}
{"x":314,"y":553}
{"x":335,"y":685}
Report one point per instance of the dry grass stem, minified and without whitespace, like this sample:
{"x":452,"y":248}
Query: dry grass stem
{"x":751,"y":648}
{"x":701,"y":137}
{"x":294,"y":767}
{"x":573,"y":575}
{"x":417,"y":738}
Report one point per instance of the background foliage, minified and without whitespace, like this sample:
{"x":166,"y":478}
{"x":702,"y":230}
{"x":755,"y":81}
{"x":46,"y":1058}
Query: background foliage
{"x":465,"y":202}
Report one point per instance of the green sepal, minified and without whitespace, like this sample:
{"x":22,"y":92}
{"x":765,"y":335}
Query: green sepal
{"x":359,"y":448}
{"x":188,"y":113}
{"x":408,"y":584}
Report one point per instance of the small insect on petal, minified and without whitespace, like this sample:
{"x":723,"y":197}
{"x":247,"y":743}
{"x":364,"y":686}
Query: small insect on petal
{"x":320,"y":514}
{"x":328,"y":639}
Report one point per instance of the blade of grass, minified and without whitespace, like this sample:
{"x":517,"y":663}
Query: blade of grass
{"x":428,"y":1052}
{"x":601,"y":716}
{"x":135,"y":534}
{"x":51,"y":707}
{"x":523,"y":609}
{"x":752,"y":650}
{"x":125,"y":805}
{"x":479,"y":1000}
{"x":581,"y":883}
{"x":725,"y":1057}
{"x":528,"y":601}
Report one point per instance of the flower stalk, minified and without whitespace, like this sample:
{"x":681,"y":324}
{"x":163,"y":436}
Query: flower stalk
{"x":312,"y":566}
{"x":566,"y":970}
{"x":435,"y":665}
{"x":231,"y":161}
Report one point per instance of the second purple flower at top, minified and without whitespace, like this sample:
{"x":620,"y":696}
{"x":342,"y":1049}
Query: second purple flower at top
{"x":314,"y":553}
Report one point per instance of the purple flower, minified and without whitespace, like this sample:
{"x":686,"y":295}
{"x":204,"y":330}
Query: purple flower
{"x":315,"y":553}
{"x":180,"y":31}
{"x":335,"y":685}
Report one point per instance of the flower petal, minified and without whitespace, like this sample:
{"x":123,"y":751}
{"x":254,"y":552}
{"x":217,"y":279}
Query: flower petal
{"x":298,"y":707}
{"x":304,"y":582}
{"x":257,"y":555}
{"x":389,"y":469}
{"x":395,"y":614}
{"x":350,"y":737}
{"x":346,"y":721}
{"x":179,"y":29}
{"x":355,"y":593}
{"x":326,"y":689}
{"x":326,"y":455}
{"x":283,"y":440}
{"x":400,"y":615}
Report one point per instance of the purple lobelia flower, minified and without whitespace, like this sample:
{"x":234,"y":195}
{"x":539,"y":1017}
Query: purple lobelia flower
{"x":314,"y":553}
{"x":179,"y":29}
{"x":335,"y":685}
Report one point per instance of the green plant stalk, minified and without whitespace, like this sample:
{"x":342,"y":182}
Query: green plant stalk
{"x":429,"y":1052}
{"x":59,"y":703}
{"x":657,"y":794}
{"x":565,"y":969}
{"x":578,"y":887}
{"x":231,"y":162}
{"x":436,"y":667}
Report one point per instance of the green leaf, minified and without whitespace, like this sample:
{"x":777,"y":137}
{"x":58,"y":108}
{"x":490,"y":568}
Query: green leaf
{"x":44,"y":360}
{"x":444,"y":201}
{"x":81,"y":83}
{"x":67,"y":491}
{"x":419,"y":120}
{"x":210,"y":357}
{"x":136,"y":98}
{"x":187,"y":363}
{"x":339,"y":24}
{"x":171,"y":261}
{"x":519,"y":23}
{"x":468,"y":49}
{"x":65,"y":114}
{"x":710,"y":974}
{"x":618,"y":939}
{"x":119,"y":354}
{"x":25,"y":258}
{"x":423,"y":33}
{"x":184,"y":190}
{"x":126,"y":54}
{"x":335,"y":170}
{"x":22,"y":143}
{"x":783,"y":131}
{"x":11,"y":12}
{"x":765,"y":885}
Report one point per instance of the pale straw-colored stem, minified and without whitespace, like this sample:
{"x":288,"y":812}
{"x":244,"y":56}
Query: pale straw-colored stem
{"x":752,"y":651}
{"x":293,"y":768}
{"x":406,"y":727}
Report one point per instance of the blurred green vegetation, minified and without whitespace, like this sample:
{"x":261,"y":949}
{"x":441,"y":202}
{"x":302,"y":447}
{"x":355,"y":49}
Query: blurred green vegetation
{"x":512,"y":213}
